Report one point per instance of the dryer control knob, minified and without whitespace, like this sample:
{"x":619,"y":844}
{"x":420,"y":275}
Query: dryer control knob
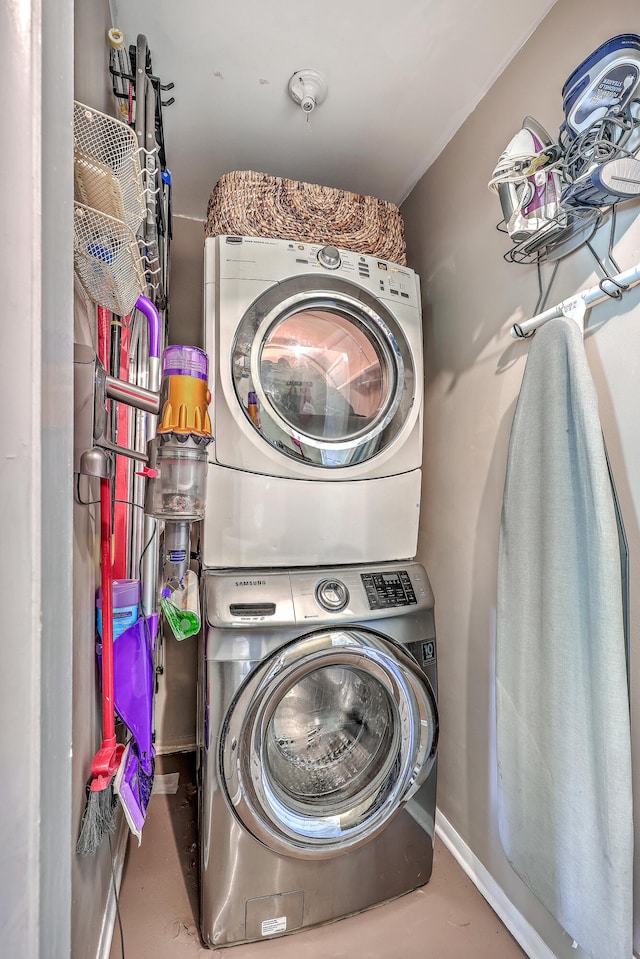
{"x":329,"y":257}
{"x":332,"y":595}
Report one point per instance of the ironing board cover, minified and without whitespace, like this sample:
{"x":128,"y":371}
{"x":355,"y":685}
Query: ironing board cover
{"x":563,"y":738}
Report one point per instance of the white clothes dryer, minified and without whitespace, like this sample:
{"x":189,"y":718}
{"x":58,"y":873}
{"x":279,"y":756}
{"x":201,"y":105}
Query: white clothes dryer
{"x":317,"y":392}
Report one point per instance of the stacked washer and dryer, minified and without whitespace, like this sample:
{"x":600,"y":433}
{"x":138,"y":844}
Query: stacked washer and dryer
{"x":317,"y":690}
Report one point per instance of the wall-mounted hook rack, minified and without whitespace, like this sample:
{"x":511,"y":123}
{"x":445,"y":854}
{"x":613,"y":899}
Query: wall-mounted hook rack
{"x":93,"y":386}
{"x":124,"y":81}
{"x":611,"y":286}
{"x":576,"y":306}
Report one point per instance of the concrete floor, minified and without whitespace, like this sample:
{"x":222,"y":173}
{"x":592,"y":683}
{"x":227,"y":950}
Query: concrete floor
{"x":446,"y":919}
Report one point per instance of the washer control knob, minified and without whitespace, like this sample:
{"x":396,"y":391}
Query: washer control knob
{"x":329,"y":257}
{"x":332,"y":595}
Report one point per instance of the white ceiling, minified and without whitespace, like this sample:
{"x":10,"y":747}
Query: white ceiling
{"x":402,"y":78}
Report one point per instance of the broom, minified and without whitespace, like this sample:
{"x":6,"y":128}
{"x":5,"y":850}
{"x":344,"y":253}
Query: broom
{"x":100,"y":811}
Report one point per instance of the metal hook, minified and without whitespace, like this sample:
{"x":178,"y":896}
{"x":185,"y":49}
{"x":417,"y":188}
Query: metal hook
{"x":620,"y":287}
{"x":612,"y":236}
{"x":148,"y":153}
{"x":614,"y":294}
{"x":543,"y":295}
{"x":520,"y":334}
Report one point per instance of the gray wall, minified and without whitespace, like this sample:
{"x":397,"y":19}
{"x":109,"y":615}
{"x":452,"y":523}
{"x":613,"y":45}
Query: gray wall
{"x":175,"y":711}
{"x":473,"y":374}
{"x":35,"y":480}
{"x":91,"y":876}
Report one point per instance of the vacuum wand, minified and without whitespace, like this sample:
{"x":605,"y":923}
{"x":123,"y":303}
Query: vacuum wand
{"x":177,"y":550}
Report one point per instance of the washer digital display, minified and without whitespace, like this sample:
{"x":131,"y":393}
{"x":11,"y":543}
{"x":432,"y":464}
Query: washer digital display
{"x":386,"y":590}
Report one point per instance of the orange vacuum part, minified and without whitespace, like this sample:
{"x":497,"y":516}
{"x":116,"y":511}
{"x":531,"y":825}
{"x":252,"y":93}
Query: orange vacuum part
{"x":185,"y":410}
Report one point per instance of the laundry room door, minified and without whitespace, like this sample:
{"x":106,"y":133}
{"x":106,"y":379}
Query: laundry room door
{"x":324,"y":375}
{"x":326,"y":740}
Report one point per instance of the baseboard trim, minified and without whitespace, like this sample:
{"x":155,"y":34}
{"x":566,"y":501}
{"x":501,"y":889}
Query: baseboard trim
{"x":167,"y":749}
{"x":521,"y":930}
{"x":109,"y":918}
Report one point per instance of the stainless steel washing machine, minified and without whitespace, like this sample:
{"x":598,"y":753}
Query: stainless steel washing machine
{"x":319,"y":735}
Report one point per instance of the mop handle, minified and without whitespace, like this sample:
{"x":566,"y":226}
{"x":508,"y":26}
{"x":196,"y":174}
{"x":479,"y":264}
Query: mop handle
{"x":108,"y":719}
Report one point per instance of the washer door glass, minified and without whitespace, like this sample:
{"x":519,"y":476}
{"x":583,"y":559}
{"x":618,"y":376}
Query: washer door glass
{"x":330,"y":737}
{"x":326,"y":740}
{"x":325,"y":376}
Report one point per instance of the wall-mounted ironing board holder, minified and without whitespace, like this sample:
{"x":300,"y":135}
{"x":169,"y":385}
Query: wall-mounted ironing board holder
{"x":576,"y":307}
{"x":611,"y":286}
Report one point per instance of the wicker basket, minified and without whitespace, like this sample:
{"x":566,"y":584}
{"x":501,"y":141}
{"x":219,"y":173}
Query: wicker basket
{"x":245,"y":203}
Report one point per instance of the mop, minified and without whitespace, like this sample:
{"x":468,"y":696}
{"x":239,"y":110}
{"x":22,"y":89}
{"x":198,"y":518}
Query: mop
{"x":562,"y":706}
{"x":133,"y":693}
{"x":99,"y":814}
{"x":135,"y":682}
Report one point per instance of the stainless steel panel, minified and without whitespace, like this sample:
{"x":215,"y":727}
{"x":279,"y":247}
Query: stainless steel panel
{"x":253,"y":644}
{"x":223,"y":590}
{"x":320,"y":804}
{"x":270,"y":915}
{"x":238,"y":868}
{"x":294,"y":595}
{"x":243,"y":882}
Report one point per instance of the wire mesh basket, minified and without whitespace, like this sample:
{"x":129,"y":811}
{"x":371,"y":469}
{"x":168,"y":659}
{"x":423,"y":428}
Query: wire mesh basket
{"x":107,"y":259}
{"x":106,"y":166}
{"x":560,"y":235}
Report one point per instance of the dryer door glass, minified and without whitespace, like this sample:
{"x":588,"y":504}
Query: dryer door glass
{"x":326,"y":740}
{"x":326,"y":376}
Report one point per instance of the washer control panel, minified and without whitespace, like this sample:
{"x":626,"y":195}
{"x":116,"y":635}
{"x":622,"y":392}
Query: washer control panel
{"x":266,"y":598}
{"x":332,"y":594}
{"x":388,"y":589}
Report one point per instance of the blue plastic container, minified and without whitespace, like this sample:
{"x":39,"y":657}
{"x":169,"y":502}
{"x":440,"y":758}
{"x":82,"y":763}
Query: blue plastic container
{"x":126,"y":596}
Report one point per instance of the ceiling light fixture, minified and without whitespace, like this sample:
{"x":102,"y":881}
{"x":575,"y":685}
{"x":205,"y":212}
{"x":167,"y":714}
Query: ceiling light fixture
{"x":307,"y":88}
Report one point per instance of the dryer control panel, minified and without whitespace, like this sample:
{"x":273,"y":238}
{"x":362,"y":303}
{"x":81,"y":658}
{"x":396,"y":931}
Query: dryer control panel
{"x":262,"y":258}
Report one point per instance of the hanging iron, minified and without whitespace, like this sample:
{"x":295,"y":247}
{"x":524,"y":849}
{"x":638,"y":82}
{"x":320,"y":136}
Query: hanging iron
{"x":527,"y":182}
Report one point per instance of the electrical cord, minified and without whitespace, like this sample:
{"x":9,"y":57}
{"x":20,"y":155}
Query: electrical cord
{"x":143,"y":612}
{"x":94,"y":502}
{"x":157,"y":669}
{"x":604,"y":139}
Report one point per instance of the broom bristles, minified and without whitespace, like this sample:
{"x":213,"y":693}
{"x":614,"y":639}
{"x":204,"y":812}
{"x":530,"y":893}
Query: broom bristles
{"x":98,"y":821}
